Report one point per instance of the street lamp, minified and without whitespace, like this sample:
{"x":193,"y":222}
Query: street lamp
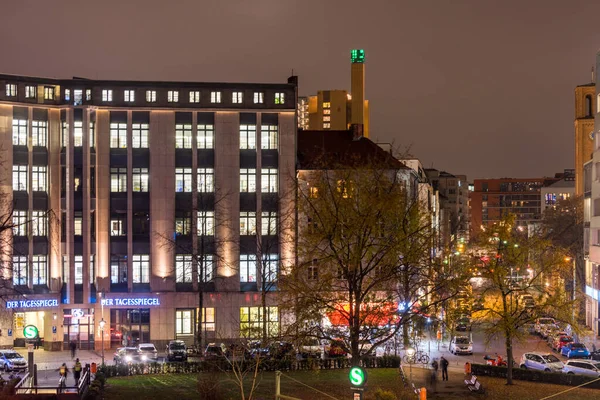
{"x":410,"y":352}
{"x":102,"y":323}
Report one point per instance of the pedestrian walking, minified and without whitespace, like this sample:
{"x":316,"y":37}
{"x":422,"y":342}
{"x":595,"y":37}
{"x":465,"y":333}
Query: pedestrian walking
{"x":77,"y":371}
{"x":73,"y":347}
{"x":444,"y":364}
{"x":433,"y":377}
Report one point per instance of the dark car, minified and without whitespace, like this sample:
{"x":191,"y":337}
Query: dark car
{"x":463,"y":324}
{"x":176,"y":351}
{"x":127,"y":355}
{"x":215,"y":351}
{"x":336,"y":349}
{"x":258,"y":349}
{"x":280,"y":350}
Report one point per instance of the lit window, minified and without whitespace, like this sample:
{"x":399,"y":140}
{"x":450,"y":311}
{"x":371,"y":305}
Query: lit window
{"x":247,"y":223}
{"x":141,"y":268}
{"x":184,"y":322}
{"x":208,"y":319}
{"x":118,"y":135}
{"x":20,"y":178}
{"x":259,"y":97}
{"x":206,"y":268}
{"x":252,"y":321}
{"x":88,"y":94}
{"x":118,"y":180}
{"x":268,"y":137}
{"x":19,"y":267}
{"x":183,"y":136}
{"x":19,"y":220}
{"x":40,"y":268}
{"x":183,"y":268}
{"x":64,"y":134}
{"x":173,"y":96}
{"x":268,"y":180}
{"x":78,"y":270}
{"x":117,"y":227}
{"x":215,"y":97}
{"x":67,"y":95}
{"x":92,"y":270}
{"x":92,"y":134}
{"x":327,"y":111}
{"x":247,"y":180}
{"x":194,"y":96}
{"x":327,"y":104}
{"x":151,"y":96}
{"x":140,"y":179}
{"x":247,"y":268}
{"x":326,"y":125}
{"x":183,"y":226}
{"x":206,"y":180}
{"x":118,"y":269}
{"x":48,"y":93}
{"x":11,"y":90}
{"x":38,"y":178}
{"x":183,"y":179}
{"x":247,"y":137}
{"x":270,"y":264}
{"x":19,"y":132}
{"x":77,"y":226}
{"x":78,"y":134}
{"x":237,"y":97}
{"x":206,"y":136}
{"x":268,"y":223}
{"x":77,"y":97}
{"x":279,"y":98}
{"x":129,"y":95}
{"x":39,"y":223}
{"x":313,"y":192}
{"x":139,"y":136}
{"x":206,"y":223}
{"x":326,"y":118}
{"x":30,"y":92}
{"x":39,"y":131}
{"x":107,"y":95}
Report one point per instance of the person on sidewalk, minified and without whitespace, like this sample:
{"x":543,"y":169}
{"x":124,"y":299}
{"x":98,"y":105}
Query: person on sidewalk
{"x":73,"y":347}
{"x":444,"y":364}
{"x":433,"y":378}
{"x":77,"y":371}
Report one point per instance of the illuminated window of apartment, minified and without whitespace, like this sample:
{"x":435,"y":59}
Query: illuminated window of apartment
{"x":326,"y":125}
{"x":268,"y":137}
{"x":118,"y":180}
{"x":117,"y":227}
{"x":118,"y":135}
{"x":183,"y":225}
{"x":326,"y":118}
{"x":151,"y":96}
{"x":183,"y":179}
{"x":39,"y":132}
{"x":78,"y":134}
{"x":78,"y":270}
{"x":92,"y":134}
{"x":40,"y":269}
{"x":247,"y":137}
{"x":326,"y":111}
{"x":208,"y":319}
{"x":92,"y":269}
{"x":268,"y":180}
{"x":313,"y":192}
{"x":183,"y":268}
{"x":206,"y":177}
{"x":30,"y":92}
{"x":247,"y":268}
{"x":38,"y":178}
{"x":19,"y":132}
{"x":205,"y":136}
{"x":252,"y":321}
{"x":77,"y":226}
{"x":247,"y":180}
{"x":183,"y":136}
{"x":107,"y":95}
{"x":237,"y":97}
{"x":259,"y":97}
{"x":118,"y":269}
{"x":11,"y":90}
{"x":247,"y":223}
{"x":141,"y":268}
{"x":215,"y":97}
{"x":206,"y":268}
{"x":129,"y":95}
{"x":279,"y":98}
{"x":313,"y":271}
{"x":206,"y":223}
{"x":173,"y":96}
{"x":194,"y":96}
{"x":39,"y":223}
{"x":67,"y":95}
{"x":184,"y":322}
{"x":268,"y":223}
{"x":140,"y":179}
{"x":19,"y":220}
{"x":139,"y":136}
{"x":345,"y":188}
{"x":78,"y":97}
{"x":19,"y":270}
{"x":270,"y":264}
{"x":20,"y":178}
{"x":64,"y":134}
{"x":48,"y":92}
{"x":88,"y":94}
{"x":326,"y":104}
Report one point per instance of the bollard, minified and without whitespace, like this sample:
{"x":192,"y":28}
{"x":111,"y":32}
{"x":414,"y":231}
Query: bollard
{"x":467,"y":368}
{"x":423,"y":394}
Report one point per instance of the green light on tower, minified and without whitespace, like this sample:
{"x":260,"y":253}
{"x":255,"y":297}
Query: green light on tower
{"x":357,"y":56}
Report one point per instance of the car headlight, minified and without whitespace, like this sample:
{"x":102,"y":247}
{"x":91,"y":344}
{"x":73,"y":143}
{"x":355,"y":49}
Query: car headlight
{"x":470,"y":348}
{"x":144,"y":357}
{"x":128,"y":358}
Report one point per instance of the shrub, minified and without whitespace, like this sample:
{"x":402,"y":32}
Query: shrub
{"x":381,"y":394}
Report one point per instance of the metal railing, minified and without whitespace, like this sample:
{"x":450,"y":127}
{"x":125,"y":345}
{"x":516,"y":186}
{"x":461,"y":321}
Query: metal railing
{"x":25,"y":386}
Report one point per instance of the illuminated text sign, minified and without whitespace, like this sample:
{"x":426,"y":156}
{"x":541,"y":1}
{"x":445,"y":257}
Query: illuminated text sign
{"x":151,"y":301}
{"x":31,"y":303}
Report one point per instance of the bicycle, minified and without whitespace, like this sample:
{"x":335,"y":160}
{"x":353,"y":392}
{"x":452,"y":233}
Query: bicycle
{"x":418,"y":357}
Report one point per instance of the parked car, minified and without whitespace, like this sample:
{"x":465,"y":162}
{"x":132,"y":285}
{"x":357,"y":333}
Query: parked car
{"x":541,"y":323}
{"x":215,"y":351}
{"x":548,"y":330}
{"x":364,"y":347}
{"x":560,"y":340}
{"x":463,"y":324}
{"x":147,"y":352}
{"x":336,"y":348}
{"x":541,"y":361}
{"x":582,"y":367}
{"x":10,"y":360}
{"x":310,"y":347}
{"x":258,"y":349}
{"x":461,"y":345}
{"x":527,"y":301}
{"x":177,"y":351}
{"x":575,"y":350}
{"x":127,"y":355}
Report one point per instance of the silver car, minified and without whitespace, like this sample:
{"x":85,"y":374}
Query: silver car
{"x":10,"y":360}
{"x":147,"y":352}
{"x":541,"y":361}
{"x":461,"y":345}
{"x":582,"y":367}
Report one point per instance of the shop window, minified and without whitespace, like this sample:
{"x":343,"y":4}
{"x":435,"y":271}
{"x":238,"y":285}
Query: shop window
{"x":184,"y":322}
{"x":208,"y":319}
{"x":252,"y":321}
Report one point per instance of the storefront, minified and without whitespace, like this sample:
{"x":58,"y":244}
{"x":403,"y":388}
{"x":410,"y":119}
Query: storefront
{"x":78,"y":327}
{"x":41,"y":313}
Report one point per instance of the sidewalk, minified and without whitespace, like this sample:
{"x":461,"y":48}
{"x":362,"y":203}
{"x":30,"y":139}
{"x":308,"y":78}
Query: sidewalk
{"x":455,"y":384}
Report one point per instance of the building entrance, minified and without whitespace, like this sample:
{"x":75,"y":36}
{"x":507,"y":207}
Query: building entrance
{"x":129,"y":327}
{"x":78,"y":327}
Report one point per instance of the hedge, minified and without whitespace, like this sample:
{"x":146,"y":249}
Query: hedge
{"x":558,"y":378}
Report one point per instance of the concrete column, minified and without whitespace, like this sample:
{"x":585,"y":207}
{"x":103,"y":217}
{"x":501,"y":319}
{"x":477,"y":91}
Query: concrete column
{"x":70,"y":202}
{"x":129,"y":203}
{"x":287,"y":186}
{"x":29,"y":198}
{"x":53,"y":180}
{"x":194,"y":213}
{"x":103,"y":199}
{"x":87,"y":216}
{"x":6,"y":163}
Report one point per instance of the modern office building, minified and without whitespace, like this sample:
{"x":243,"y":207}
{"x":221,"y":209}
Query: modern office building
{"x":556,"y":191}
{"x":128,"y":198}
{"x":585,"y":108}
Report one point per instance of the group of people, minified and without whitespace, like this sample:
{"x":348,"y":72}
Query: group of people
{"x":443,"y":364}
{"x":64,"y":371}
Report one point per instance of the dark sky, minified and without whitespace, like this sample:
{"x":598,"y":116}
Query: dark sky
{"x":477,"y":87}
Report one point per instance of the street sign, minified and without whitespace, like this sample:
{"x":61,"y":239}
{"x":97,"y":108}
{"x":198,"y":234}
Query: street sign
{"x":357,"y":376}
{"x":54,"y":329}
{"x":10,"y":332}
{"x":30,"y":332}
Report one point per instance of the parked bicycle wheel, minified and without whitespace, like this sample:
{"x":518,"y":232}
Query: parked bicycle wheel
{"x":424,"y":359}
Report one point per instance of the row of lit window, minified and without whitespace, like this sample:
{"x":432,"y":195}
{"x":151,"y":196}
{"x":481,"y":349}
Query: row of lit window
{"x":205,"y":221}
{"x":205,"y":180}
{"x":38,"y":178}
{"x":38,"y":222}
{"x":252,"y":321}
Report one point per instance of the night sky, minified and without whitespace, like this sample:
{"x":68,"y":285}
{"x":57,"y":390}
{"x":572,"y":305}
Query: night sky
{"x":477,"y":87}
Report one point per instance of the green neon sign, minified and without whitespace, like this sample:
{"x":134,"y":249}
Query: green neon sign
{"x":357,"y":376}
{"x":30,"y":332}
{"x":357,"y":56}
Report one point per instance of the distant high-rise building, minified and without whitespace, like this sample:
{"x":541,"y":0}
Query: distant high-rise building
{"x":585,"y":105}
{"x":303,"y":113}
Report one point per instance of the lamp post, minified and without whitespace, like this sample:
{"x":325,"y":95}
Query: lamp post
{"x":102,"y":323}
{"x":411,"y":352}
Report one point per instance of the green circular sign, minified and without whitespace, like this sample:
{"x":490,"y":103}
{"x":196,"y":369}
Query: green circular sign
{"x":30,"y":332}
{"x":358,"y":376}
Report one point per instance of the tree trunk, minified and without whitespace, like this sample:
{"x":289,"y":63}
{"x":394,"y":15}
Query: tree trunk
{"x":200,"y":319}
{"x":509,"y":357}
